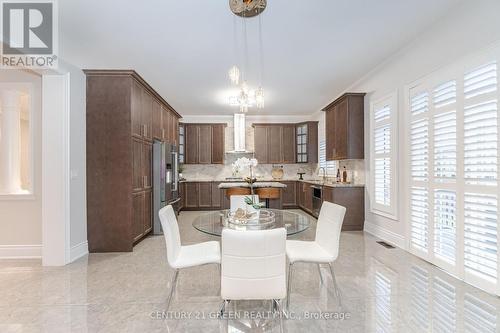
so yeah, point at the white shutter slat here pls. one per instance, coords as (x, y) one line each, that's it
(383, 113)
(419, 217)
(419, 103)
(445, 147)
(383, 181)
(419, 149)
(481, 80)
(480, 143)
(445, 94)
(383, 140)
(445, 224)
(480, 238)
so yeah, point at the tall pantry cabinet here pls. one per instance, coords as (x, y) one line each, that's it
(124, 116)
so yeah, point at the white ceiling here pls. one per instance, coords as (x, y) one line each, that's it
(313, 50)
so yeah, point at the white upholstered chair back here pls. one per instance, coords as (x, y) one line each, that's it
(238, 201)
(329, 226)
(253, 264)
(171, 233)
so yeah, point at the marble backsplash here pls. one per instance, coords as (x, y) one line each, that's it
(217, 172)
(263, 171)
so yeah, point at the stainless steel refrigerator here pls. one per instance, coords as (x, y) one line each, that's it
(165, 180)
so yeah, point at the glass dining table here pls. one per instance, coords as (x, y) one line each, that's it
(212, 223)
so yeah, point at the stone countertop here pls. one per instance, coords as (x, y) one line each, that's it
(308, 181)
(255, 185)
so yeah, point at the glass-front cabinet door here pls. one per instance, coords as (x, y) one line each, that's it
(181, 144)
(302, 143)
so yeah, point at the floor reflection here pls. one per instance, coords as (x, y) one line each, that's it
(383, 290)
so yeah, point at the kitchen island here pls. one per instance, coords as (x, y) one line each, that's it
(255, 185)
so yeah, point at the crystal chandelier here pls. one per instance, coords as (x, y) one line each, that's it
(246, 97)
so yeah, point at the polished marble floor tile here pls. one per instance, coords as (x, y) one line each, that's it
(382, 290)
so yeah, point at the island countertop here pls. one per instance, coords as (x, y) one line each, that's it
(255, 185)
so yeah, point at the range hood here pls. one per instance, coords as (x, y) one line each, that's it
(239, 133)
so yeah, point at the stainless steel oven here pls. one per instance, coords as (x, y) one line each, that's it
(316, 199)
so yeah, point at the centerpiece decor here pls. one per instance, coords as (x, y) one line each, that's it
(243, 164)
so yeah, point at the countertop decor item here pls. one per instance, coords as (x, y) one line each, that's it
(277, 172)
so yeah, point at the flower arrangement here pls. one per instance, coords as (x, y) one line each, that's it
(242, 164)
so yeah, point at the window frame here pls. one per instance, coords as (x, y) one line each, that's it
(390, 211)
(456, 70)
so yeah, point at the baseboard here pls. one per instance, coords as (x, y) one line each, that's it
(78, 251)
(386, 235)
(20, 251)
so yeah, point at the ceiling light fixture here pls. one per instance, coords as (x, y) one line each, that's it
(246, 97)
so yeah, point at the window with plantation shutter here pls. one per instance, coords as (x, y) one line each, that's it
(480, 235)
(383, 156)
(329, 166)
(420, 149)
(480, 143)
(445, 146)
(419, 218)
(481, 81)
(452, 124)
(445, 207)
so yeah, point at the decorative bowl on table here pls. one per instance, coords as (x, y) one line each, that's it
(241, 217)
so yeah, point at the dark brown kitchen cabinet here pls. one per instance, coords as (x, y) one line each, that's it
(216, 195)
(353, 198)
(138, 204)
(261, 145)
(191, 198)
(157, 121)
(344, 127)
(148, 211)
(204, 143)
(204, 195)
(289, 195)
(277, 143)
(121, 111)
(147, 114)
(288, 143)
(218, 143)
(305, 196)
(306, 142)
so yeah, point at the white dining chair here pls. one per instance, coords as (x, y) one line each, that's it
(324, 249)
(238, 201)
(253, 266)
(179, 256)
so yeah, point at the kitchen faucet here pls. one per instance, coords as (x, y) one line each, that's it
(324, 174)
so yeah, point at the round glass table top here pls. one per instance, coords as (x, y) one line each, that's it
(212, 223)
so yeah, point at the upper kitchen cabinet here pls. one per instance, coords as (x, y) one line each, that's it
(307, 142)
(345, 127)
(203, 143)
(278, 143)
(124, 115)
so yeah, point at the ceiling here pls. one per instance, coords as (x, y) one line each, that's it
(313, 50)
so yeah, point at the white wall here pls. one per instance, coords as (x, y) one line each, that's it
(78, 153)
(21, 219)
(470, 27)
